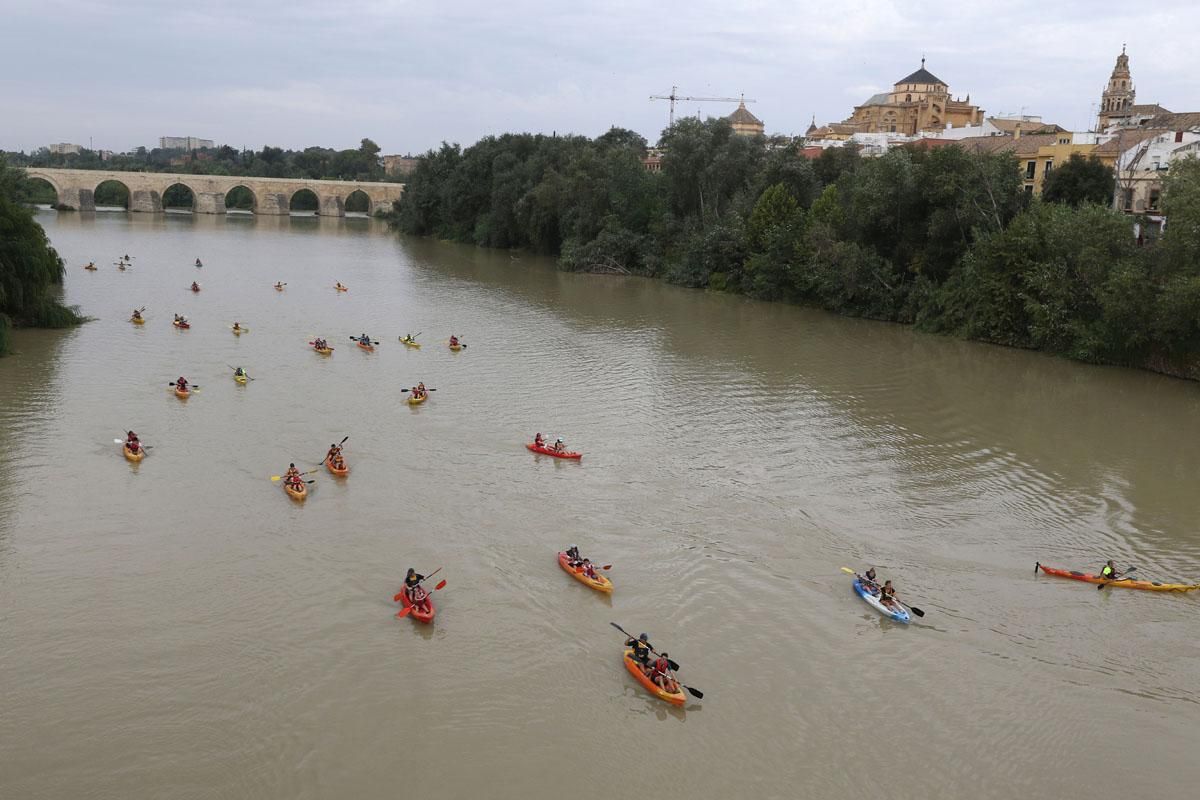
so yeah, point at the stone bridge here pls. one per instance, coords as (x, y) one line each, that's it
(76, 190)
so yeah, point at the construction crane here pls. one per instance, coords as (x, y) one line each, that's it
(675, 97)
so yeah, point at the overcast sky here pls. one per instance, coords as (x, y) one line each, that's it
(412, 73)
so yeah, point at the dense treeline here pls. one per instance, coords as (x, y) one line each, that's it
(941, 238)
(31, 272)
(317, 163)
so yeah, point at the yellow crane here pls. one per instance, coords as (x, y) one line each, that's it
(675, 97)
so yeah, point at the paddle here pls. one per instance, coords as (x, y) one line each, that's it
(244, 374)
(413, 339)
(409, 390)
(699, 695)
(191, 386)
(122, 441)
(404, 612)
(356, 339)
(913, 609)
(339, 444)
(280, 477)
(1114, 580)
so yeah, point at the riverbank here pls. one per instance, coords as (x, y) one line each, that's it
(31, 272)
(945, 240)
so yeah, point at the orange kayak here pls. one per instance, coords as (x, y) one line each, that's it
(550, 451)
(183, 394)
(1120, 583)
(367, 347)
(299, 493)
(676, 698)
(418, 615)
(601, 584)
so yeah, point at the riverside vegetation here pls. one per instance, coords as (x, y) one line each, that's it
(31, 272)
(943, 239)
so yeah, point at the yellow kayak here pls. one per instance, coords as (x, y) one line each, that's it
(138, 320)
(241, 379)
(416, 401)
(411, 343)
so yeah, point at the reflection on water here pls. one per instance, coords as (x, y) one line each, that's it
(181, 623)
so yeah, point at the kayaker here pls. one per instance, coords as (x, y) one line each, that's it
(573, 557)
(136, 314)
(421, 388)
(292, 472)
(869, 583)
(334, 454)
(415, 591)
(453, 341)
(127, 257)
(887, 594)
(198, 264)
(660, 673)
(278, 285)
(539, 440)
(132, 442)
(559, 446)
(408, 338)
(339, 285)
(237, 326)
(641, 650)
(195, 286)
(589, 569)
(182, 384)
(1109, 571)
(239, 372)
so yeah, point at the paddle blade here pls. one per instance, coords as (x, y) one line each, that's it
(696, 693)
(276, 478)
(404, 612)
(397, 596)
(622, 630)
(916, 611)
(1036, 566)
(673, 664)
(607, 566)
(847, 570)
(441, 585)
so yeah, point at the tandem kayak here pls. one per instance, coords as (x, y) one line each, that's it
(601, 584)
(181, 325)
(416, 401)
(416, 614)
(899, 613)
(368, 347)
(411, 343)
(549, 451)
(1123, 583)
(676, 698)
(345, 470)
(324, 350)
(183, 394)
(299, 493)
(132, 456)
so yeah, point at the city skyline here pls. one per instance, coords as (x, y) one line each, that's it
(410, 77)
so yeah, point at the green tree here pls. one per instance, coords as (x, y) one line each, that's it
(1080, 180)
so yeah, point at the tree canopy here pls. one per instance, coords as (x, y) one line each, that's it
(1080, 180)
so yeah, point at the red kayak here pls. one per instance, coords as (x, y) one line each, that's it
(416, 614)
(549, 451)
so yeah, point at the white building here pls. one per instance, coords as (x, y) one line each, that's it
(1141, 169)
(63, 148)
(184, 143)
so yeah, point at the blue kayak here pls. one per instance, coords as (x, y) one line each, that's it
(897, 612)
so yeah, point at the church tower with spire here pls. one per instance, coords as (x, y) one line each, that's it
(1116, 103)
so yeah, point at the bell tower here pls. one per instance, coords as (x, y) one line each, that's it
(1116, 103)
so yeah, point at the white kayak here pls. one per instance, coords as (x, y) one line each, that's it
(897, 612)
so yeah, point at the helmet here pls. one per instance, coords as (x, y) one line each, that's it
(645, 637)
(292, 465)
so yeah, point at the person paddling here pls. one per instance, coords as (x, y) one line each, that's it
(868, 581)
(660, 673)
(415, 592)
(181, 384)
(641, 651)
(421, 390)
(137, 314)
(240, 373)
(132, 442)
(195, 286)
(278, 285)
(453, 340)
(237, 327)
(589, 569)
(573, 557)
(887, 595)
(334, 455)
(198, 264)
(1110, 571)
(408, 339)
(559, 446)
(339, 285)
(539, 440)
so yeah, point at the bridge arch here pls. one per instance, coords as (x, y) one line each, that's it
(112, 193)
(358, 202)
(179, 197)
(42, 191)
(304, 200)
(241, 198)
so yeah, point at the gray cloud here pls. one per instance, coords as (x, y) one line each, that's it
(411, 74)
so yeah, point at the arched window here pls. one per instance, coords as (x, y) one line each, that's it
(908, 98)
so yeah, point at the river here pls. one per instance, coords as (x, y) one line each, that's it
(180, 629)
